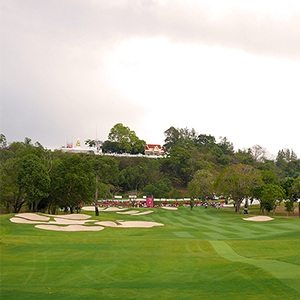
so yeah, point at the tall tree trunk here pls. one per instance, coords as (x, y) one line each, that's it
(237, 206)
(96, 196)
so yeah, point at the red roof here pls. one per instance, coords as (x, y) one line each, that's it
(154, 148)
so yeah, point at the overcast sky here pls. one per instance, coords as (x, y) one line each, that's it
(75, 68)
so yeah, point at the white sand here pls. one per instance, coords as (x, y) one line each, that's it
(91, 208)
(130, 224)
(33, 217)
(24, 221)
(144, 213)
(70, 228)
(62, 221)
(108, 224)
(130, 212)
(144, 224)
(170, 208)
(71, 216)
(259, 218)
(114, 209)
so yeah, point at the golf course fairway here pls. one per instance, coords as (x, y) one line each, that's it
(198, 254)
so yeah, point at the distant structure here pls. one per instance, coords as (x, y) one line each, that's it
(151, 150)
(154, 149)
(77, 149)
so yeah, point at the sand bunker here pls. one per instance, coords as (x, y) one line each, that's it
(259, 218)
(130, 224)
(76, 222)
(130, 212)
(114, 209)
(170, 208)
(62, 221)
(71, 216)
(70, 228)
(91, 208)
(144, 213)
(33, 217)
(24, 221)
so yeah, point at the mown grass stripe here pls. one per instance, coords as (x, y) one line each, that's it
(278, 269)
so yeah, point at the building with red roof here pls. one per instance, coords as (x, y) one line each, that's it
(154, 149)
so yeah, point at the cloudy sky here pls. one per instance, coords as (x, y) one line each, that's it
(74, 68)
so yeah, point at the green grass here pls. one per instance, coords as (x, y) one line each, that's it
(199, 254)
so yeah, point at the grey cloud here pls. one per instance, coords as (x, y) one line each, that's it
(53, 81)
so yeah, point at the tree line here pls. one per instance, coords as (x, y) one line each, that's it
(197, 166)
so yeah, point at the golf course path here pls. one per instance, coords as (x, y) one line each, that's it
(283, 271)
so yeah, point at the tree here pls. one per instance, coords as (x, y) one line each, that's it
(94, 143)
(127, 139)
(256, 192)
(226, 146)
(176, 194)
(204, 140)
(237, 181)
(179, 137)
(289, 205)
(178, 166)
(110, 147)
(172, 136)
(132, 178)
(159, 190)
(258, 153)
(294, 192)
(34, 179)
(271, 196)
(284, 158)
(12, 195)
(73, 181)
(201, 185)
(3, 141)
(107, 169)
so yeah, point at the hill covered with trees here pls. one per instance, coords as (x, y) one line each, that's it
(196, 166)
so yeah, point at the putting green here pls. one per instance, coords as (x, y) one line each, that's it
(198, 254)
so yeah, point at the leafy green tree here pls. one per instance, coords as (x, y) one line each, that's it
(204, 140)
(12, 195)
(272, 195)
(256, 192)
(132, 178)
(294, 192)
(34, 179)
(202, 185)
(269, 177)
(237, 182)
(224, 160)
(110, 147)
(127, 140)
(172, 136)
(107, 169)
(226, 146)
(178, 166)
(243, 157)
(73, 181)
(176, 194)
(284, 160)
(3, 141)
(159, 190)
(289, 206)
